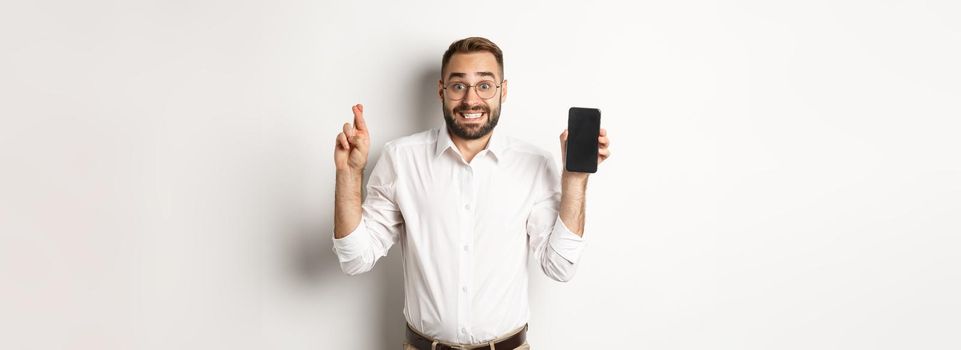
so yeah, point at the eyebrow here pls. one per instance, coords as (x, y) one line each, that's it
(463, 75)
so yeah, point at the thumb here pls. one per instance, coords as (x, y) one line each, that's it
(563, 139)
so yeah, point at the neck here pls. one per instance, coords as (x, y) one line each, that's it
(469, 148)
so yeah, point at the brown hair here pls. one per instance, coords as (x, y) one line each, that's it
(473, 44)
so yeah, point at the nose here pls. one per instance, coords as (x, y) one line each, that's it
(472, 96)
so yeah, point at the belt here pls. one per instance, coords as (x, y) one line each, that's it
(423, 343)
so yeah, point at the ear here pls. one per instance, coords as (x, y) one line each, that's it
(504, 91)
(440, 90)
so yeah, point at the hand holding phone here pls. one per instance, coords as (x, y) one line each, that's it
(583, 127)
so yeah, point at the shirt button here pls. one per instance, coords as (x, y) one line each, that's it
(467, 206)
(464, 289)
(466, 248)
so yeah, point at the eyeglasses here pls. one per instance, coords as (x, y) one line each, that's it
(485, 90)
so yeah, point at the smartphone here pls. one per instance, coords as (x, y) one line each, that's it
(583, 128)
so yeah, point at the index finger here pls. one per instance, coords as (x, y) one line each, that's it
(359, 121)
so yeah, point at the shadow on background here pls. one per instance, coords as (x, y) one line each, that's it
(310, 248)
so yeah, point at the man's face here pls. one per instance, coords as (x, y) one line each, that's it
(461, 115)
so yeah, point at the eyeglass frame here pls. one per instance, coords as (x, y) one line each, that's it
(472, 86)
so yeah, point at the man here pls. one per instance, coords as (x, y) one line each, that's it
(468, 206)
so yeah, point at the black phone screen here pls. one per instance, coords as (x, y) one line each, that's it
(583, 128)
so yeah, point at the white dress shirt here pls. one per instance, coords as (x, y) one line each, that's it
(466, 231)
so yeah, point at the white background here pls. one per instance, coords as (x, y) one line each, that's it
(784, 176)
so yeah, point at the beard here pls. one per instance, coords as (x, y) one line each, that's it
(470, 132)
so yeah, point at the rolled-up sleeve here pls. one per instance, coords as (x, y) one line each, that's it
(554, 247)
(380, 226)
(565, 243)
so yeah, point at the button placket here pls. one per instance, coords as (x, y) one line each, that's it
(466, 262)
(467, 191)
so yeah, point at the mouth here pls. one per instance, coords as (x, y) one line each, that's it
(472, 116)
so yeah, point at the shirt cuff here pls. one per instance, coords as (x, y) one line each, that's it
(353, 245)
(567, 244)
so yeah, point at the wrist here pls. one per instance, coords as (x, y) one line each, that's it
(572, 177)
(350, 172)
(574, 184)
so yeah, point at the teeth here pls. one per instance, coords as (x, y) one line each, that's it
(472, 115)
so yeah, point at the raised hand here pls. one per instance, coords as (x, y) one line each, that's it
(602, 143)
(353, 143)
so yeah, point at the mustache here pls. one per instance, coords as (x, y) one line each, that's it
(463, 109)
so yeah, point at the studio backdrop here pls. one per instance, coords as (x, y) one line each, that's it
(785, 175)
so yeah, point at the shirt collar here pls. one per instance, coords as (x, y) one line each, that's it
(496, 145)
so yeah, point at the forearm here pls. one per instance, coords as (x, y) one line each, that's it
(573, 201)
(347, 202)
